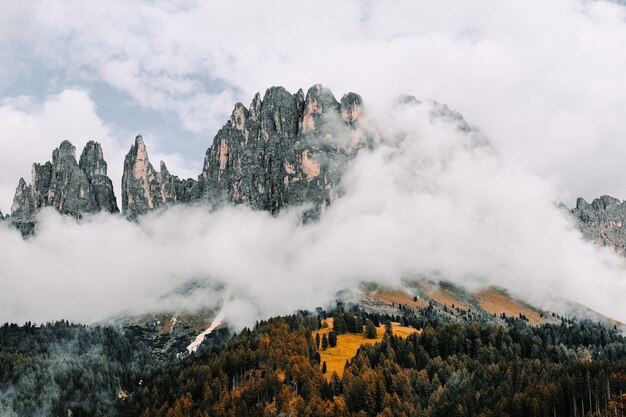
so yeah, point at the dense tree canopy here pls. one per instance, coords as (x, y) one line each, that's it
(448, 369)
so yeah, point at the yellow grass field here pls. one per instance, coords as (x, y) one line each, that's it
(496, 303)
(349, 343)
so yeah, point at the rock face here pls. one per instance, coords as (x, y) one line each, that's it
(144, 189)
(94, 166)
(70, 187)
(284, 149)
(602, 221)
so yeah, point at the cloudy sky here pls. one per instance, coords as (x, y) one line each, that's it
(543, 80)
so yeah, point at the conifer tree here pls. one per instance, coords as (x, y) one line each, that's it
(370, 329)
(332, 339)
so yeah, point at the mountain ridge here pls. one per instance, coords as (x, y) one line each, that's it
(283, 150)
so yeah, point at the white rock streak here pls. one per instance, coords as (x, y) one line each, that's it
(200, 338)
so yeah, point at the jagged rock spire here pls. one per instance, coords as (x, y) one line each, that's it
(144, 189)
(65, 185)
(139, 181)
(23, 205)
(94, 166)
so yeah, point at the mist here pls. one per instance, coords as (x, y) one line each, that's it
(433, 200)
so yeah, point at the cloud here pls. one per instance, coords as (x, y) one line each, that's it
(430, 201)
(544, 81)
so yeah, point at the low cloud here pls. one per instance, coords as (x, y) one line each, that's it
(431, 201)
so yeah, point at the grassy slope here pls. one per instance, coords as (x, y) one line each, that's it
(349, 343)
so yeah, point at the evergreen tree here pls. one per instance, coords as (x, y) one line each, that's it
(370, 330)
(317, 340)
(324, 367)
(332, 339)
(324, 342)
(359, 324)
(388, 328)
(339, 324)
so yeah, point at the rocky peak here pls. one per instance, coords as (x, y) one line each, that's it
(140, 187)
(319, 101)
(603, 203)
(23, 205)
(92, 160)
(286, 149)
(144, 189)
(69, 190)
(352, 109)
(69, 187)
(602, 221)
(94, 166)
(65, 150)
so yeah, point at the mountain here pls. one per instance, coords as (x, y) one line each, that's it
(283, 150)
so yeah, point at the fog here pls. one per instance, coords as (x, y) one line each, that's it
(431, 201)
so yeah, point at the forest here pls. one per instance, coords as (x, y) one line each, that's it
(575, 368)
(61, 369)
(447, 369)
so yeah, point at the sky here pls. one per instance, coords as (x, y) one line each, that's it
(543, 81)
